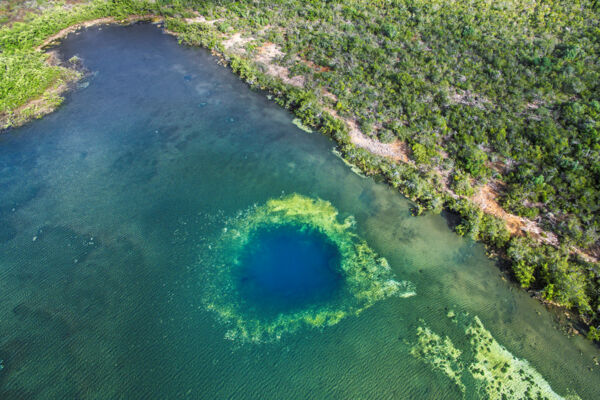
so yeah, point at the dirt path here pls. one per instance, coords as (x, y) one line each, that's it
(396, 151)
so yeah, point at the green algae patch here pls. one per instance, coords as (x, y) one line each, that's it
(502, 374)
(365, 277)
(440, 354)
(300, 125)
(491, 372)
(352, 167)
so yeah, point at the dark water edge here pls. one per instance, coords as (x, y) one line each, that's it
(106, 204)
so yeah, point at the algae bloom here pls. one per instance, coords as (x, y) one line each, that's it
(496, 373)
(290, 263)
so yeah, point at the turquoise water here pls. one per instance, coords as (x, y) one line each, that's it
(113, 212)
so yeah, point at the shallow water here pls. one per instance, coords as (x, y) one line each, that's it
(107, 205)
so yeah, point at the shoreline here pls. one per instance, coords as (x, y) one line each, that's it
(485, 198)
(99, 21)
(234, 56)
(52, 98)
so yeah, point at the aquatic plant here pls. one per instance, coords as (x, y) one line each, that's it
(497, 372)
(367, 278)
(502, 374)
(352, 167)
(440, 354)
(299, 124)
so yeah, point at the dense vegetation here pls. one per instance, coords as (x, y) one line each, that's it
(492, 90)
(480, 91)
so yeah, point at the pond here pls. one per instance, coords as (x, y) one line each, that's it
(169, 233)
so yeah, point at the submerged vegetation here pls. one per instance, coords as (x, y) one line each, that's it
(485, 367)
(479, 94)
(440, 354)
(366, 278)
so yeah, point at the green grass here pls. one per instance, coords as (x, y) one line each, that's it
(23, 76)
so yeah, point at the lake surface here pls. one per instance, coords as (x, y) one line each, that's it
(114, 209)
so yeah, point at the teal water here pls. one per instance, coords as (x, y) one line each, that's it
(110, 209)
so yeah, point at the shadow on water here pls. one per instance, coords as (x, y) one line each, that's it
(452, 219)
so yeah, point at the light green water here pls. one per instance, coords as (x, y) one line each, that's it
(112, 215)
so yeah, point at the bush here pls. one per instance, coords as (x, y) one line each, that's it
(461, 184)
(386, 136)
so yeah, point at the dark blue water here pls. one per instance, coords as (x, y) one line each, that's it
(107, 205)
(286, 268)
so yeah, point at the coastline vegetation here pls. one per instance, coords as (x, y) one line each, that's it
(479, 92)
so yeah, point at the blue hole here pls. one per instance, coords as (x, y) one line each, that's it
(285, 268)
